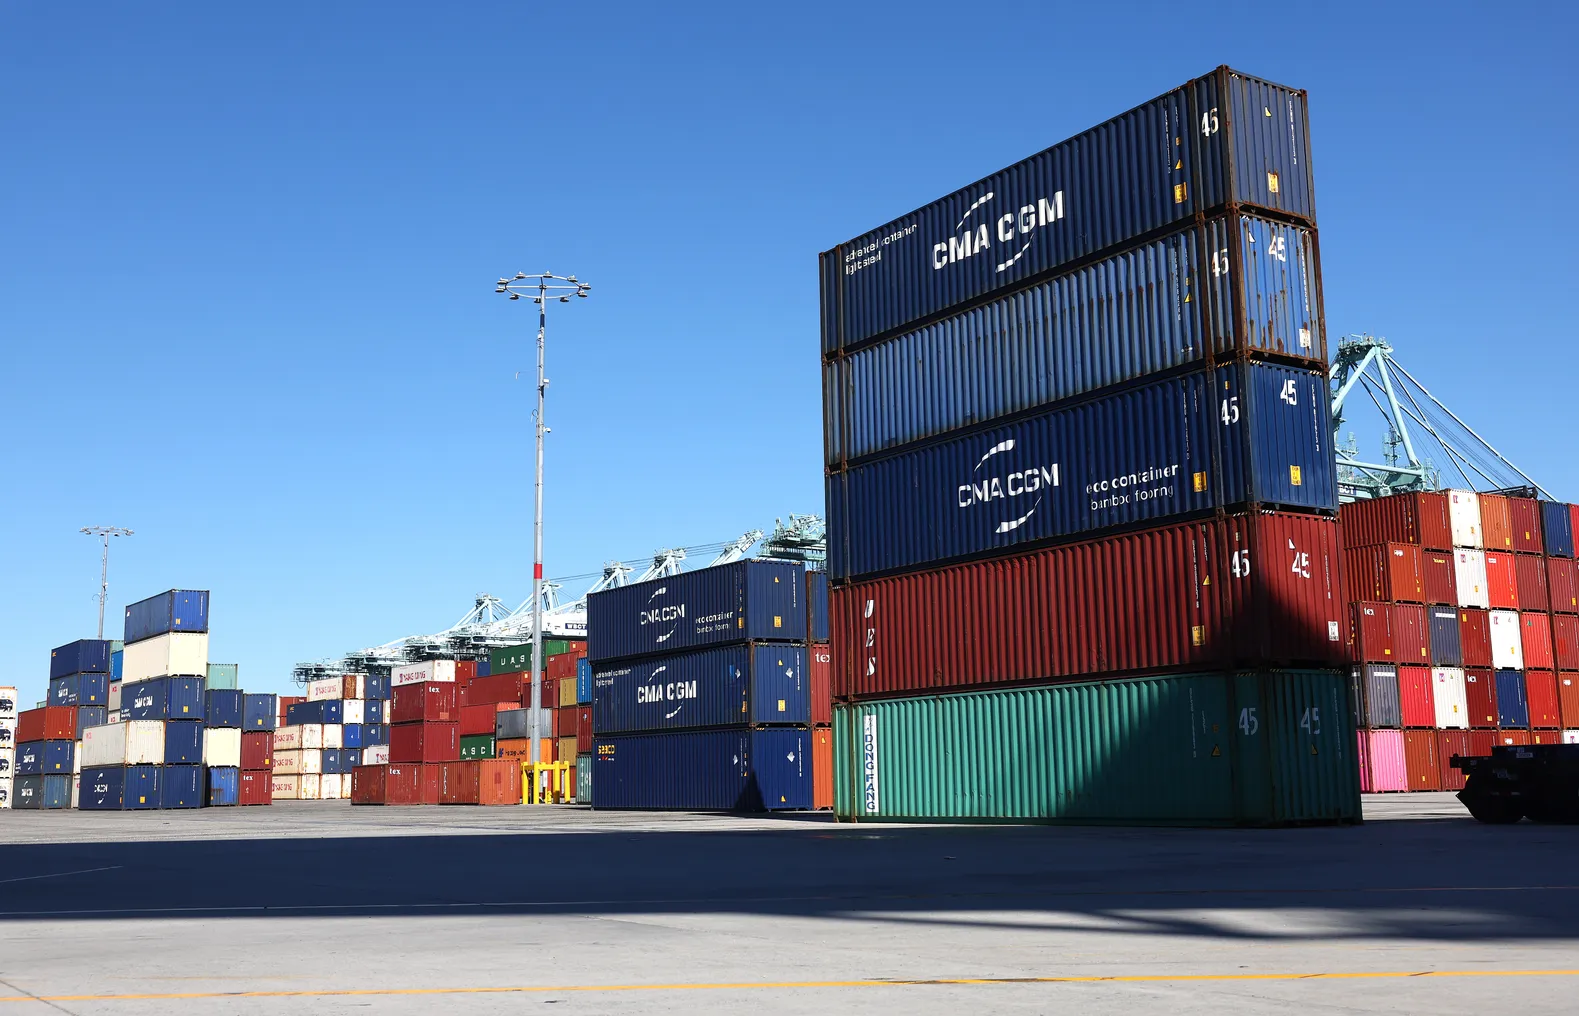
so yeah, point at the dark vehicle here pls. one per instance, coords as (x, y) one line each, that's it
(1535, 781)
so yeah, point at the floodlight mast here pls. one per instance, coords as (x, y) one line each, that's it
(104, 564)
(540, 289)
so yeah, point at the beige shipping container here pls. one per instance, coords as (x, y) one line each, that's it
(329, 787)
(375, 755)
(312, 786)
(323, 691)
(299, 761)
(222, 746)
(179, 654)
(422, 673)
(302, 735)
(133, 743)
(333, 735)
(285, 788)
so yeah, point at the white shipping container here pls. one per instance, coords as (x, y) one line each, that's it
(76, 760)
(1463, 518)
(333, 736)
(312, 786)
(1448, 692)
(8, 703)
(1571, 737)
(222, 746)
(376, 755)
(352, 710)
(285, 788)
(422, 673)
(178, 653)
(76, 790)
(133, 743)
(113, 702)
(5, 792)
(1507, 645)
(115, 716)
(1469, 571)
(323, 691)
(329, 787)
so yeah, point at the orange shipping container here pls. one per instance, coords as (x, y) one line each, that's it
(1420, 760)
(1496, 528)
(1540, 689)
(1502, 581)
(1448, 744)
(1568, 698)
(517, 750)
(822, 768)
(1392, 572)
(498, 782)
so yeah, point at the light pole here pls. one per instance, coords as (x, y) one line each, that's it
(540, 289)
(104, 565)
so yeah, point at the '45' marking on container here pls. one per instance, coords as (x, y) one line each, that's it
(1290, 392)
(1247, 720)
(1311, 721)
(1240, 564)
(1301, 561)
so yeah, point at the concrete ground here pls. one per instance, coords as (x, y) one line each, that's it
(318, 907)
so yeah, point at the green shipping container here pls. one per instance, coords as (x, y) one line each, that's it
(223, 675)
(477, 746)
(1272, 748)
(517, 658)
(584, 779)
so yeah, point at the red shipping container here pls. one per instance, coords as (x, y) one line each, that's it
(1411, 635)
(1535, 637)
(257, 749)
(424, 742)
(413, 703)
(399, 784)
(285, 702)
(480, 719)
(465, 670)
(1420, 519)
(1436, 573)
(47, 723)
(370, 785)
(1448, 744)
(550, 699)
(820, 687)
(564, 664)
(1243, 590)
(1482, 741)
(822, 768)
(499, 781)
(1568, 698)
(1502, 581)
(1540, 689)
(1420, 760)
(1474, 636)
(254, 787)
(1480, 694)
(1496, 530)
(1531, 573)
(1562, 582)
(1546, 737)
(567, 721)
(1416, 703)
(1390, 572)
(1524, 517)
(584, 730)
(1565, 641)
(511, 688)
(458, 783)
(1507, 737)
(1373, 633)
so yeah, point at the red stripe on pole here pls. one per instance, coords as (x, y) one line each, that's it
(537, 571)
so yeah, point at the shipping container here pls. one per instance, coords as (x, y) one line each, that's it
(819, 661)
(370, 784)
(1226, 592)
(183, 742)
(477, 746)
(1513, 710)
(1436, 569)
(584, 730)
(80, 690)
(178, 610)
(178, 654)
(55, 790)
(84, 656)
(47, 723)
(1448, 698)
(223, 677)
(567, 692)
(1416, 706)
(1540, 690)
(704, 770)
(1496, 526)
(41, 757)
(1565, 641)
(164, 698)
(1411, 635)
(424, 742)
(1507, 640)
(514, 688)
(1502, 581)
(1474, 634)
(1388, 572)
(584, 772)
(91, 716)
(222, 747)
(1535, 641)
(181, 787)
(1512, 737)
(130, 743)
(1562, 582)
(1446, 648)
(1480, 697)
(822, 768)
(257, 750)
(1469, 571)
(583, 681)
(324, 689)
(1146, 310)
(351, 735)
(1524, 517)
(1422, 768)
(260, 712)
(1224, 139)
(299, 761)
(376, 754)
(1266, 748)
(1568, 698)
(224, 787)
(303, 736)
(517, 748)
(223, 707)
(113, 700)
(376, 686)
(102, 788)
(816, 605)
(27, 793)
(1530, 573)
(1241, 434)
(1376, 698)
(1463, 515)
(324, 711)
(285, 787)
(1448, 744)
(434, 701)
(427, 672)
(115, 664)
(1417, 518)
(746, 600)
(1557, 533)
(1382, 761)
(352, 710)
(755, 683)
(519, 658)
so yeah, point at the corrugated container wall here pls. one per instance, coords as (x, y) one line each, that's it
(85, 656)
(176, 610)
(705, 770)
(746, 600)
(1222, 139)
(816, 606)
(1242, 434)
(756, 683)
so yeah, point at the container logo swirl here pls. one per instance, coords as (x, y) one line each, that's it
(1013, 230)
(1009, 487)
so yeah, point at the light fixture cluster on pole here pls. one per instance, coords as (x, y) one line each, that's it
(104, 565)
(541, 290)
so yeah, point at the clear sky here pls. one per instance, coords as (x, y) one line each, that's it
(246, 274)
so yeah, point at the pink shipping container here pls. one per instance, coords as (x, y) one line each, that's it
(1382, 761)
(1244, 590)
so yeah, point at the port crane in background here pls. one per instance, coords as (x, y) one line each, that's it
(489, 624)
(1426, 445)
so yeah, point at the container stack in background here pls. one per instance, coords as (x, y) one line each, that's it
(8, 714)
(341, 723)
(47, 756)
(700, 690)
(819, 661)
(1465, 612)
(1080, 485)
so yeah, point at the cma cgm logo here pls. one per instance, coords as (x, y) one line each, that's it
(985, 488)
(662, 614)
(978, 229)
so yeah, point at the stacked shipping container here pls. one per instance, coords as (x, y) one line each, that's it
(1077, 431)
(339, 724)
(1465, 630)
(8, 714)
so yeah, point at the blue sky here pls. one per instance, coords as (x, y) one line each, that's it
(246, 299)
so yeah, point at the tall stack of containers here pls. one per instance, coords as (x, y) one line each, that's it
(819, 662)
(700, 691)
(330, 731)
(1465, 611)
(164, 666)
(48, 755)
(1080, 485)
(8, 714)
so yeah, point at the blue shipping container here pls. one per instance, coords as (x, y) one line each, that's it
(1222, 138)
(333, 761)
(181, 787)
(739, 602)
(484, 668)
(1446, 642)
(183, 742)
(30, 758)
(79, 690)
(374, 734)
(584, 681)
(376, 687)
(84, 656)
(163, 698)
(176, 610)
(322, 711)
(1243, 433)
(59, 756)
(1513, 706)
(224, 787)
(101, 788)
(705, 770)
(351, 735)
(756, 683)
(57, 791)
(223, 707)
(260, 712)
(1143, 312)
(91, 716)
(817, 606)
(1558, 529)
(115, 664)
(142, 787)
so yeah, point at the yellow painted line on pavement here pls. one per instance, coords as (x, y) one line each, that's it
(780, 985)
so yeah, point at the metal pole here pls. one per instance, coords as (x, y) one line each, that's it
(537, 535)
(104, 583)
